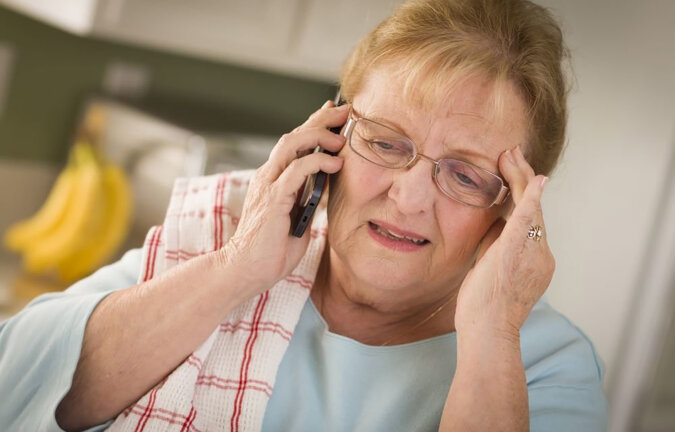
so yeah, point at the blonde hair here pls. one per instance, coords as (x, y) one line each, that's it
(437, 43)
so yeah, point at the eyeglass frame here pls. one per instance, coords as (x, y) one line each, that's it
(354, 118)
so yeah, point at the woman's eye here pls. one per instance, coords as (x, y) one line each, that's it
(465, 180)
(382, 145)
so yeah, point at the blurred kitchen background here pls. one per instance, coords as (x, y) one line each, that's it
(189, 88)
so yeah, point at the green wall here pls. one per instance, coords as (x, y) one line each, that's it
(54, 72)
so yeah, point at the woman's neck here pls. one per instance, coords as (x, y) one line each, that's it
(375, 321)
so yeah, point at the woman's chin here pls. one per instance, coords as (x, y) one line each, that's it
(387, 275)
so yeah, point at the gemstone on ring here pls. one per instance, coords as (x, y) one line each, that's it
(536, 232)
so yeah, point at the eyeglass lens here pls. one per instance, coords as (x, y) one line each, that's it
(459, 180)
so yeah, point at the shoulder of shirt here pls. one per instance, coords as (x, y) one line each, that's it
(556, 352)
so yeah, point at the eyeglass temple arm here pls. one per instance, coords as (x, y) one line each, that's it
(503, 194)
(348, 126)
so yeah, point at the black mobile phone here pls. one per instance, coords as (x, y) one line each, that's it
(301, 215)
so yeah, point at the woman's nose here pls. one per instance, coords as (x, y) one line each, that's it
(413, 188)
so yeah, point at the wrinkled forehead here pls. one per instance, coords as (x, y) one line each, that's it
(431, 89)
(465, 93)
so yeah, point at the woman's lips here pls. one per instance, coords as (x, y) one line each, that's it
(393, 238)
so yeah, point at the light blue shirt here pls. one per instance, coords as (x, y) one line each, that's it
(325, 382)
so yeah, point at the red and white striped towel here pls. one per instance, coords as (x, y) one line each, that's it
(226, 383)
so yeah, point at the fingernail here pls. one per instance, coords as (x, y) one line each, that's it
(509, 155)
(544, 181)
(326, 104)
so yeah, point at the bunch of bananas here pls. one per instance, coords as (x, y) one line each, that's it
(83, 222)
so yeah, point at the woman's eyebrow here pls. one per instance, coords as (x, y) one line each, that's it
(473, 157)
(469, 153)
(384, 121)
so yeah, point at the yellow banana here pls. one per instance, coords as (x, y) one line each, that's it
(50, 215)
(113, 229)
(81, 221)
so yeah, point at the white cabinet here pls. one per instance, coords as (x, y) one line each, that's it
(309, 38)
(252, 32)
(75, 16)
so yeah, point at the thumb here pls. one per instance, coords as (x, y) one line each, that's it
(490, 237)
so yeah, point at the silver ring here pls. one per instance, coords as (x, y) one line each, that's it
(536, 232)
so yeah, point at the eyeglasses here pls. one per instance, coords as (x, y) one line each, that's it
(458, 180)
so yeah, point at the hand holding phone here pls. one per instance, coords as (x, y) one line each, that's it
(263, 248)
(308, 199)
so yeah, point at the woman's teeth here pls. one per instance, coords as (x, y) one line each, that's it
(393, 236)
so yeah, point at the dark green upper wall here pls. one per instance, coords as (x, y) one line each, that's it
(54, 71)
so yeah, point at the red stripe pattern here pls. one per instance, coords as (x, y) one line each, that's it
(166, 416)
(239, 386)
(188, 421)
(217, 214)
(143, 420)
(246, 362)
(265, 326)
(152, 247)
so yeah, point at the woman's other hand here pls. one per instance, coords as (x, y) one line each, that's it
(512, 270)
(262, 245)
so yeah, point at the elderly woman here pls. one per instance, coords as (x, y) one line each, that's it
(426, 266)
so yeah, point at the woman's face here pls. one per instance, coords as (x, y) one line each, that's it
(369, 204)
